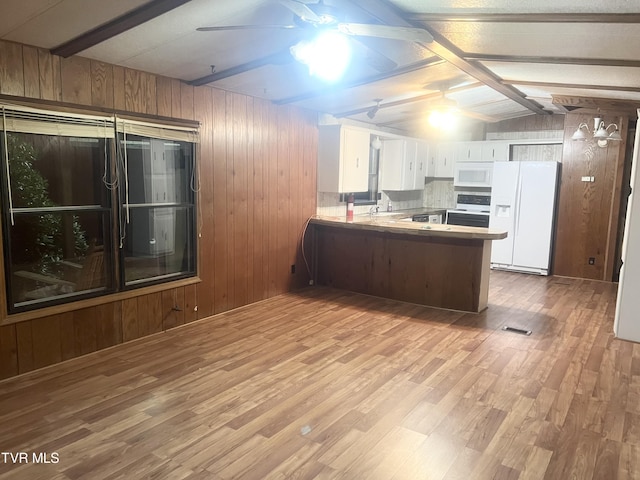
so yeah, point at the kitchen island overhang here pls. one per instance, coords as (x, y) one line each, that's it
(444, 266)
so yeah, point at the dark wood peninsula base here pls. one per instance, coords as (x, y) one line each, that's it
(441, 266)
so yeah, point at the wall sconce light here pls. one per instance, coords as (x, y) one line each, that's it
(376, 143)
(600, 132)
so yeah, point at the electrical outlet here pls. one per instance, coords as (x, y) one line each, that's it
(592, 260)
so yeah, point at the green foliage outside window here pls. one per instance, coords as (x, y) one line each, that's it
(41, 235)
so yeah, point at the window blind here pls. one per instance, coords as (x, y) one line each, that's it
(21, 119)
(160, 131)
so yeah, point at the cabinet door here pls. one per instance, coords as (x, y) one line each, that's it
(399, 167)
(425, 166)
(355, 160)
(392, 168)
(468, 152)
(444, 160)
(495, 151)
(409, 165)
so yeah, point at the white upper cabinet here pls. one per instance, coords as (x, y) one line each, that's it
(442, 160)
(399, 165)
(487, 151)
(495, 151)
(469, 152)
(343, 159)
(422, 164)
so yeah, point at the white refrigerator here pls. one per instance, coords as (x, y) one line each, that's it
(523, 199)
(627, 319)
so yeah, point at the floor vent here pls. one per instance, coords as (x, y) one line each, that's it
(516, 330)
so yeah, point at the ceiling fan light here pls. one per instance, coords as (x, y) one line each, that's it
(327, 56)
(444, 120)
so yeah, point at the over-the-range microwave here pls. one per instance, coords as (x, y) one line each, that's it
(473, 174)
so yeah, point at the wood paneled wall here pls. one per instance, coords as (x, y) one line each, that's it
(257, 189)
(531, 123)
(588, 212)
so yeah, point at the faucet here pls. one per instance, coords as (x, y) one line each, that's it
(374, 209)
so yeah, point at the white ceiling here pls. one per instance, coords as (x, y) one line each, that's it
(487, 44)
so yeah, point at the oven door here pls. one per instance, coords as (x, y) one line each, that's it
(468, 219)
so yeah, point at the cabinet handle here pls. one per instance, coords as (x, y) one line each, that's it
(420, 166)
(410, 166)
(357, 162)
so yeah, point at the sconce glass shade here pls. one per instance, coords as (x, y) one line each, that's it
(376, 143)
(601, 132)
(615, 135)
(579, 134)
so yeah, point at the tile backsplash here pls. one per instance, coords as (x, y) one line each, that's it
(439, 193)
(330, 204)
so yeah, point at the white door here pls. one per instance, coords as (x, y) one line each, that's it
(503, 209)
(627, 319)
(536, 208)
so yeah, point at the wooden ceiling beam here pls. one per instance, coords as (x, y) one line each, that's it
(581, 86)
(391, 15)
(277, 58)
(598, 62)
(118, 25)
(405, 101)
(527, 17)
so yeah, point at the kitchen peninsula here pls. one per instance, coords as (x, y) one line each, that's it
(445, 266)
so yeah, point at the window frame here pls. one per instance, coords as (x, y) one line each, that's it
(115, 289)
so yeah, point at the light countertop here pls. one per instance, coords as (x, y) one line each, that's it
(394, 222)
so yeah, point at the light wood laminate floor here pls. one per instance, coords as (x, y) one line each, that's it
(325, 384)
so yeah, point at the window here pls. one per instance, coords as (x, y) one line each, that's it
(90, 209)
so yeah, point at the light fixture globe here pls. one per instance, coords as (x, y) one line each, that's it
(615, 135)
(601, 133)
(579, 133)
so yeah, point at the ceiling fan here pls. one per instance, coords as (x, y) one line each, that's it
(320, 17)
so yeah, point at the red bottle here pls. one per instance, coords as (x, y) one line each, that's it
(350, 201)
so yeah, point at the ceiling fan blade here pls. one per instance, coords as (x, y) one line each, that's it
(244, 27)
(409, 34)
(375, 59)
(301, 10)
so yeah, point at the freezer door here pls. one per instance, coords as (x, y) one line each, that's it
(503, 209)
(534, 222)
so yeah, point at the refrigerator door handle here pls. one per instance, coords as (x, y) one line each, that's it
(517, 209)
